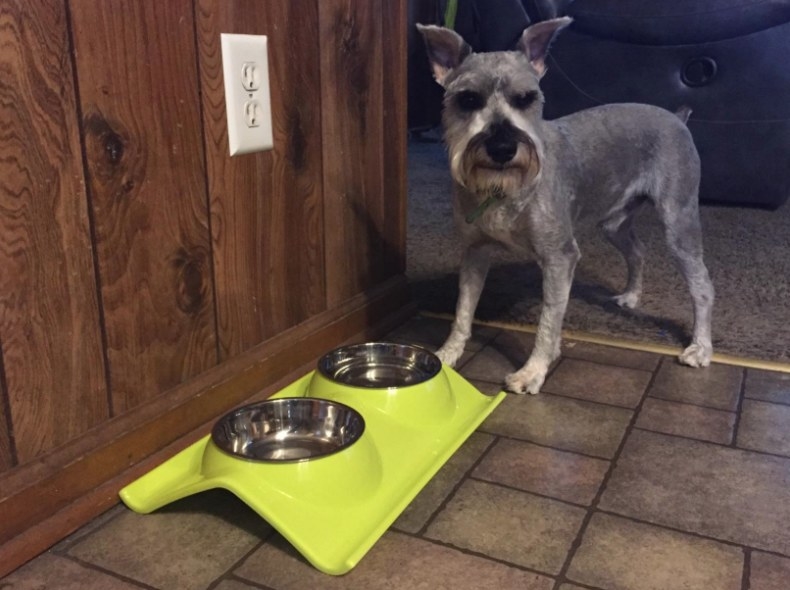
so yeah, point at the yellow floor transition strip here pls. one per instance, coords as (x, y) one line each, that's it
(724, 359)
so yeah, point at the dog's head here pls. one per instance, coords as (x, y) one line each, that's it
(492, 106)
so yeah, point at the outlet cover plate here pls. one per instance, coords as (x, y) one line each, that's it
(239, 54)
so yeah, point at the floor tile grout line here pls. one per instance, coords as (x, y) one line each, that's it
(545, 446)
(108, 572)
(683, 436)
(68, 546)
(451, 494)
(473, 553)
(691, 405)
(577, 541)
(606, 404)
(739, 411)
(690, 533)
(248, 582)
(688, 403)
(642, 428)
(722, 445)
(230, 571)
(585, 399)
(746, 580)
(512, 488)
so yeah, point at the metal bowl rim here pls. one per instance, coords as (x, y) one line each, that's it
(421, 349)
(233, 413)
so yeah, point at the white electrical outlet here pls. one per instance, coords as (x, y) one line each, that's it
(245, 66)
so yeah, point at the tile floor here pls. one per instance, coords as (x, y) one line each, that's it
(626, 472)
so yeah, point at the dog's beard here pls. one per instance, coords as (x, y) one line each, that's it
(474, 170)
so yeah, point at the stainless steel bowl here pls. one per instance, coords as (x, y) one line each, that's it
(380, 365)
(288, 429)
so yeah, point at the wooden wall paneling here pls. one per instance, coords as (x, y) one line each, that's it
(124, 448)
(395, 52)
(138, 84)
(352, 121)
(7, 459)
(50, 339)
(266, 208)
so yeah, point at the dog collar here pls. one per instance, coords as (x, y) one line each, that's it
(481, 208)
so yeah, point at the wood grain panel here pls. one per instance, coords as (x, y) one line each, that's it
(49, 318)
(352, 122)
(138, 81)
(7, 459)
(266, 208)
(395, 51)
(36, 492)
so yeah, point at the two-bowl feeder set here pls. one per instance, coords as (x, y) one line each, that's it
(331, 460)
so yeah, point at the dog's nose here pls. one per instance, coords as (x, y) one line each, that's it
(501, 150)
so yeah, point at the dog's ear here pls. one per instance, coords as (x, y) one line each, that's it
(446, 49)
(536, 39)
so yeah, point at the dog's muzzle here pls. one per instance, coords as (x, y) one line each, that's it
(500, 159)
(502, 144)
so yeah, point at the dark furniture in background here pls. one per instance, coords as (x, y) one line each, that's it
(726, 59)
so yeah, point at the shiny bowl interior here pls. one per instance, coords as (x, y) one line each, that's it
(288, 429)
(380, 365)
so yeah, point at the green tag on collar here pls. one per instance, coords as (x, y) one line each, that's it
(481, 208)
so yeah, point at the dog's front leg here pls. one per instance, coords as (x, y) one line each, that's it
(471, 277)
(557, 278)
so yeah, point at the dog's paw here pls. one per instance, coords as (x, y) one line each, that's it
(527, 380)
(449, 355)
(628, 300)
(696, 355)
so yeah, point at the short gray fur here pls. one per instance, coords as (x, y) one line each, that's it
(539, 178)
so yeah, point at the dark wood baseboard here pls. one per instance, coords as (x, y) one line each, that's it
(43, 502)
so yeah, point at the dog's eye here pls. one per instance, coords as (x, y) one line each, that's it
(469, 101)
(522, 101)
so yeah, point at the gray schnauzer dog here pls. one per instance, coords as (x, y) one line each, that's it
(523, 182)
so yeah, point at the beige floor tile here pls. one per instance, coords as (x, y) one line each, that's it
(559, 474)
(185, 545)
(597, 353)
(492, 364)
(88, 528)
(686, 420)
(769, 386)
(396, 562)
(572, 425)
(56, 572)
(769, 572)
(599, 383)
(506, 524)
(521, 342)
(764, 427)
(486, 386)
(619, 554)
(609, 355)
(695, 486)
(432, 495)
(716, 386)
(235, 585)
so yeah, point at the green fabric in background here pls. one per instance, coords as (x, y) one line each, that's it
(450, 12)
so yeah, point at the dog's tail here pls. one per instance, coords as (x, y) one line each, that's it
(683, 113)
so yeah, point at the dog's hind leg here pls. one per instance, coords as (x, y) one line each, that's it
(471, 278)
(684, 238)
(618, 227)
(558, 269)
